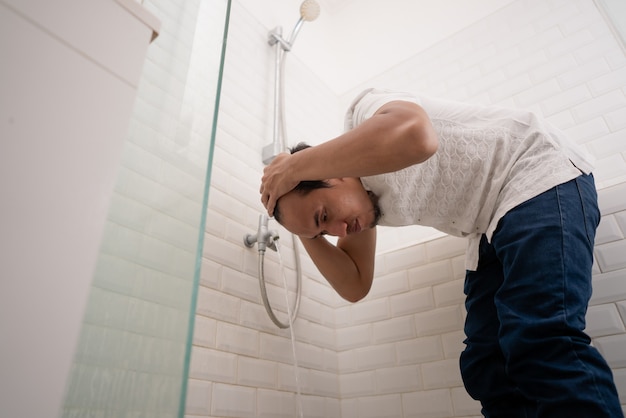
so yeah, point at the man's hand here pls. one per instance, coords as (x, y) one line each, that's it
(277, 181)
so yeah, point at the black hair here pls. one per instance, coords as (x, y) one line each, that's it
(305, 186)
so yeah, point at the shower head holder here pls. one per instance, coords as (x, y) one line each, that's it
(276, 36)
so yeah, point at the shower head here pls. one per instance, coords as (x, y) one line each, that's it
(309, 10)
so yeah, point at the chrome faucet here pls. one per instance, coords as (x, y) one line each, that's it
(264, 237)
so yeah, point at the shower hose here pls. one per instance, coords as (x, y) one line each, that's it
(293, 312)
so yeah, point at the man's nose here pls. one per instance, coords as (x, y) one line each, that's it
(337, 228)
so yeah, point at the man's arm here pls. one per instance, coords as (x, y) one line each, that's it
(349, 266)
(398, 135)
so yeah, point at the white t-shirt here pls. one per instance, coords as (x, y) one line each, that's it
(489, 160)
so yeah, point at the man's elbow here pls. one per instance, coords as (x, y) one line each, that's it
(353, 298)
(356, 294)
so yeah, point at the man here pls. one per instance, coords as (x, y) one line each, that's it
(522, 195)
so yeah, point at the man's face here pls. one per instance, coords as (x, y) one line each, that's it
(343, 209)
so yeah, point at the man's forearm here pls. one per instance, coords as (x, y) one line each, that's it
(398, 135)
(349, 270)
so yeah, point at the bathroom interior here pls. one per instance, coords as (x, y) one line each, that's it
(132, 142)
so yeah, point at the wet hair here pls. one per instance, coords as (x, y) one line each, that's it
(304, 187)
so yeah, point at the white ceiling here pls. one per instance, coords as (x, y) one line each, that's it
(354, 40)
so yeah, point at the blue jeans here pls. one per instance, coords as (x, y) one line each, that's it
(526, 353)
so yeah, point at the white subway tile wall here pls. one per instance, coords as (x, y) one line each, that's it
(394, 354)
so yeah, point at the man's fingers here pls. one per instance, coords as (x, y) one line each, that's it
(268, 203)
(270, 208)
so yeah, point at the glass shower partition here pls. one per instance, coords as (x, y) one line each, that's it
(133, 354)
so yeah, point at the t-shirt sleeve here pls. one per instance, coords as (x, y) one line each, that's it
(369, 101)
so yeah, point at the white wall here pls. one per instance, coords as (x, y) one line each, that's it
(395, 353)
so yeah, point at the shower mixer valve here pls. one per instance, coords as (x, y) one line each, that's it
(264, 237)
